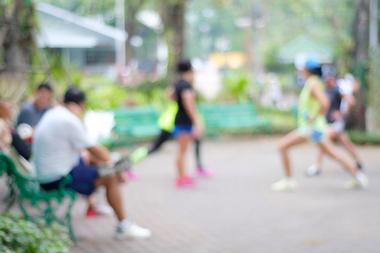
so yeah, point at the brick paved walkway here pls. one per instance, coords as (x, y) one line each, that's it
(236, 212)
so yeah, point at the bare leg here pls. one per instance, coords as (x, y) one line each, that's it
(113, 194)
(90, 201)
(329, 149)
(320, 156)
(183, 143)
(347, 143)
(331, 134)
(290, 140)
(197, 146)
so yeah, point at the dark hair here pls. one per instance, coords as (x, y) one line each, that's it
(328, 71)
(45, 86)
(74, 95)
(316, 71)
(184, 66)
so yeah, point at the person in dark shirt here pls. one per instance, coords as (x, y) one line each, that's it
(31, 112)
(166, 125)
(188, 124)
(336, 118)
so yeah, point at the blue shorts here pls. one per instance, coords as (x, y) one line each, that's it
(83, 179)
(182, 129)
(314, 135)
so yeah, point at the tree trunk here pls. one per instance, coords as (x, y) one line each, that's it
(361, 59)
(373, 120)
(173, 16)
(131, 24)
(18, 43)
(361, 31)
(16, 46)
(130, 28)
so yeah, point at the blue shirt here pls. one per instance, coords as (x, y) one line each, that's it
(30, 114)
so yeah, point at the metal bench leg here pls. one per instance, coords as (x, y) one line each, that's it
(23, 209)
(49, 214)
(69, 223)
(10, 199)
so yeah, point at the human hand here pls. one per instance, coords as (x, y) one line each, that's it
(198, 130)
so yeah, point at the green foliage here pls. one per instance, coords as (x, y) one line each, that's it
(282, 120)
(18, 235)
(360, 137)
(236, 84)
(103, 94)
(149, 92)
(84, 7)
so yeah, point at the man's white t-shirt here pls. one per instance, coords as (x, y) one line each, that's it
(58, 141)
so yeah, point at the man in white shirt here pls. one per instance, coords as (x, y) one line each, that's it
(59, 139)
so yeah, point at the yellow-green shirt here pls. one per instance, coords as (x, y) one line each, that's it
(167, 118)
(310, 107)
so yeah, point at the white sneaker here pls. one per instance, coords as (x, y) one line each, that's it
(359, 182)
(285, 184)
(362, 179)
(103, 209)
(132, 231)
(313, 171)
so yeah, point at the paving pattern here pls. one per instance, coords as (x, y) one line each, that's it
(236, 211)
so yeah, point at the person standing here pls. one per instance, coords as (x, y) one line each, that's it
(188, 124)
(166, 123)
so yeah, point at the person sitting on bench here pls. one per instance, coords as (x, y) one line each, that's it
(59, 139)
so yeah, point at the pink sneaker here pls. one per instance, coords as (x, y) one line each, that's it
(131, 175)
(184, 181)
(202, 172)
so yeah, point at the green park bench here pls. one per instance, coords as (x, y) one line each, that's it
(232, 118)
(133, 125)
(35, 203)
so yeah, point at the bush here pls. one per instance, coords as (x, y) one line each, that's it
(236, 86)
(18, 235)
(369, 138)
(282, 120)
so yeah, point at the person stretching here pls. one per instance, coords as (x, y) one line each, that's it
(312, 125)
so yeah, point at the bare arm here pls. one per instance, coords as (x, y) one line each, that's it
(350, 101)
(100, 153)
(189, 104)
(170, 93)
(5, 135)
(320, 95)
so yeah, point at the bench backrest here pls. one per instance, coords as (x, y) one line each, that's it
(136, 123)
(218, 114)
(26, 184)
(129, 118)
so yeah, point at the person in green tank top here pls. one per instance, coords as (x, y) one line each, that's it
(312, 107)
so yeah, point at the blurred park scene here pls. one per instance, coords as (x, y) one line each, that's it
(247, 57)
